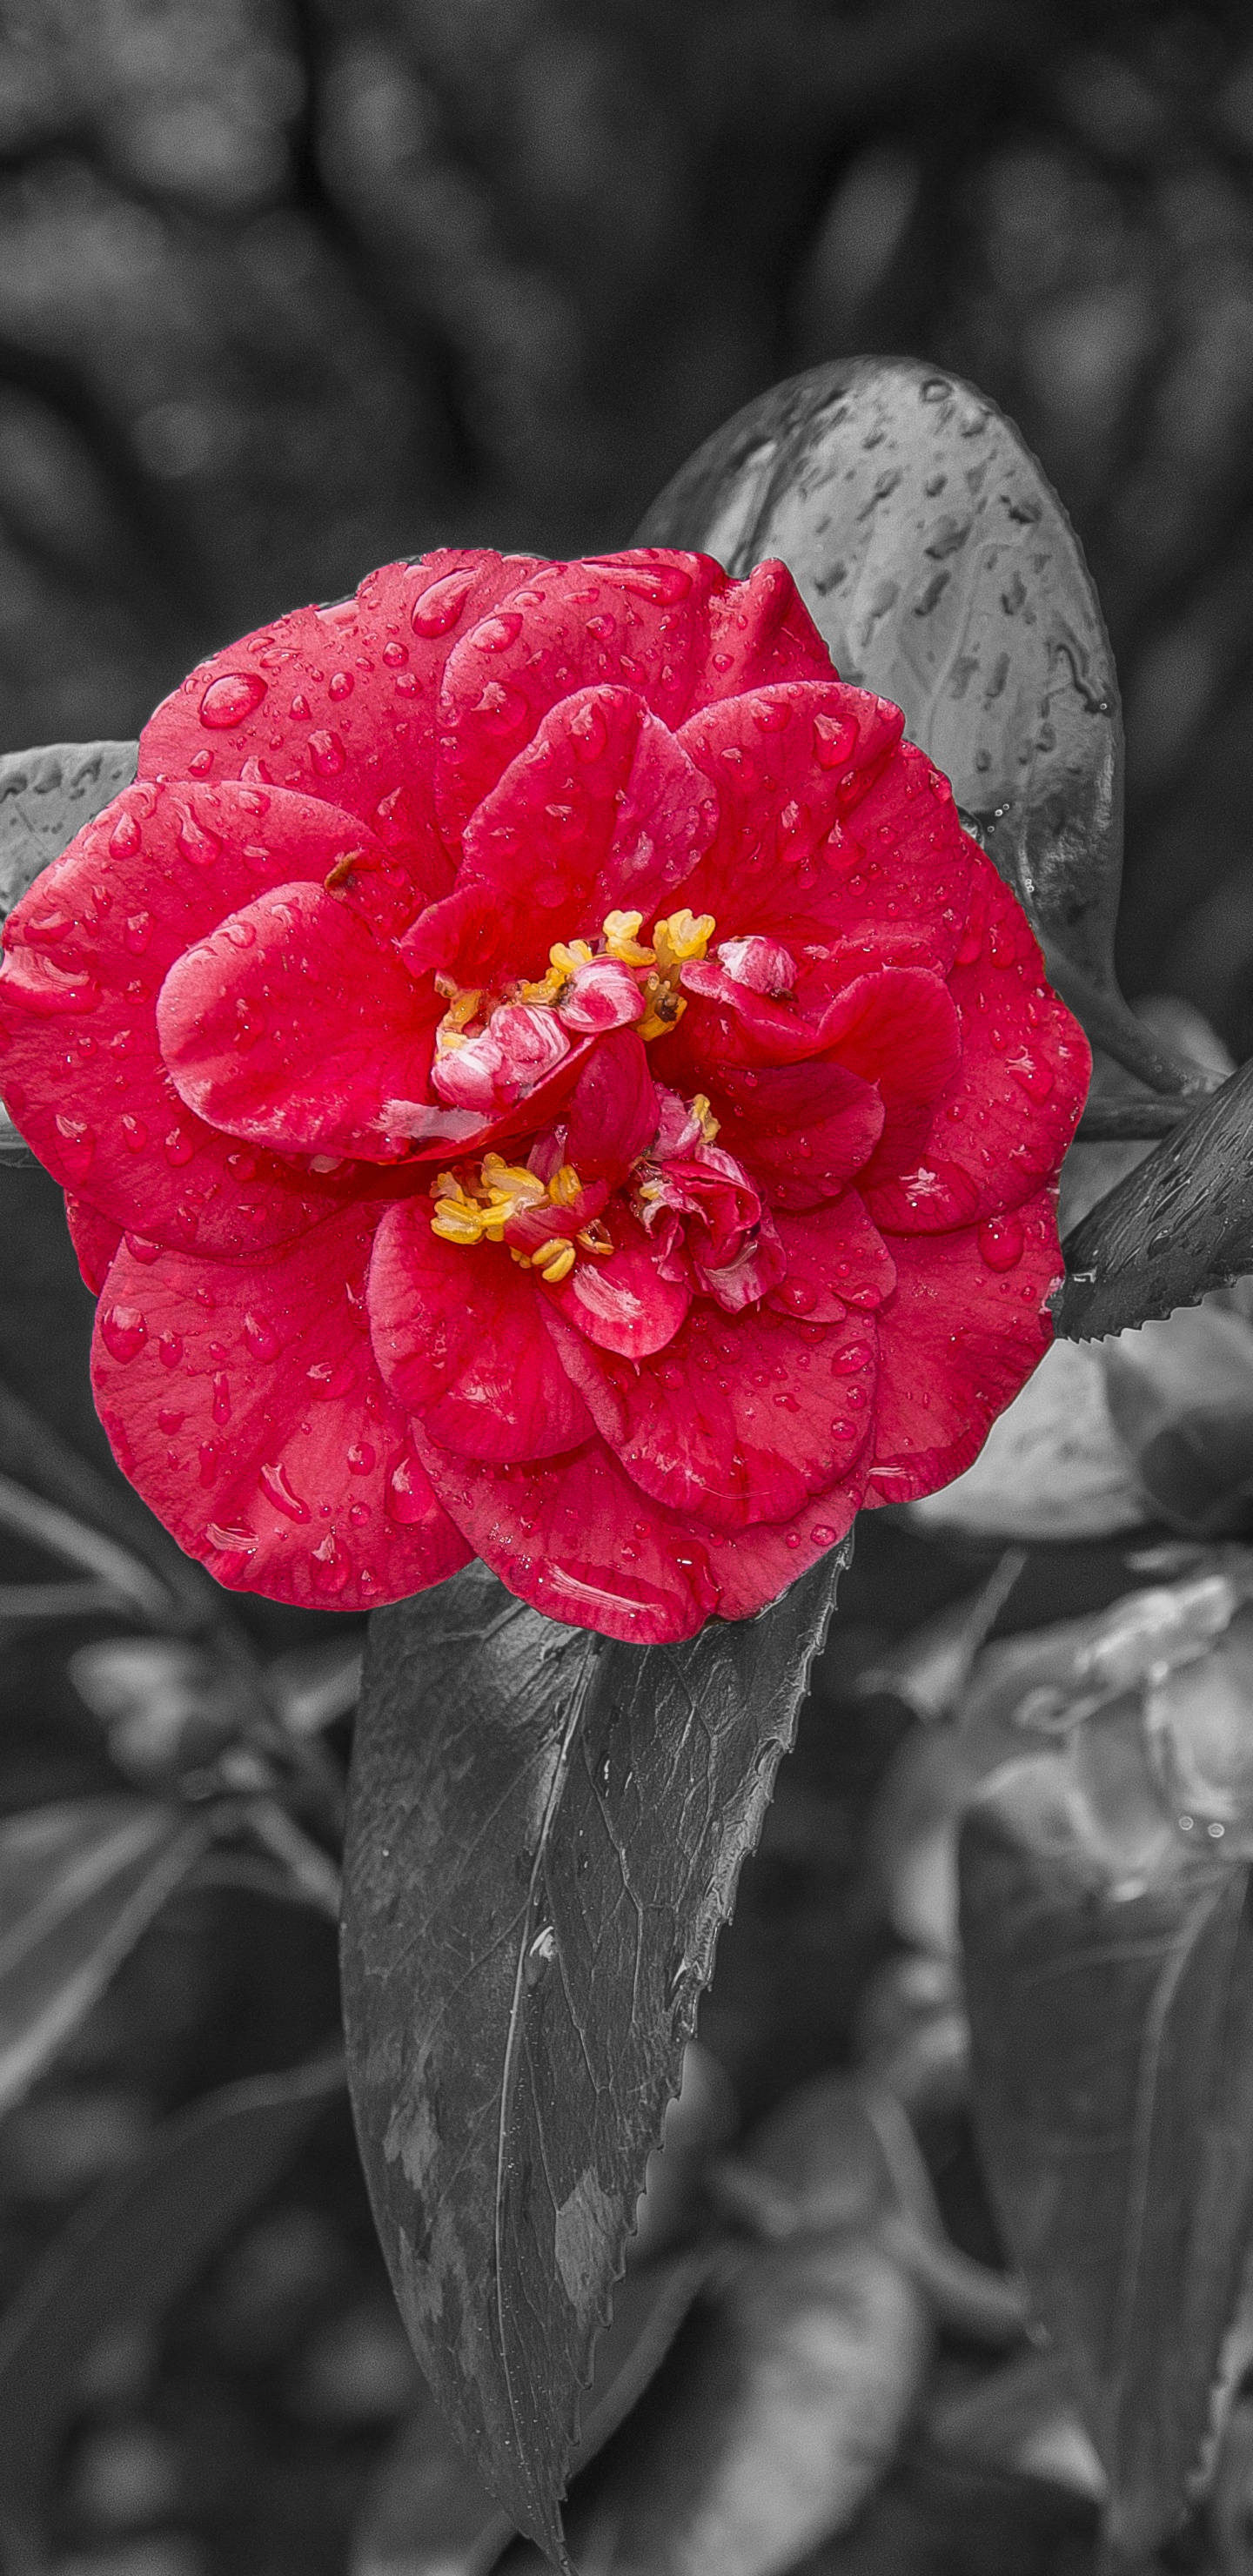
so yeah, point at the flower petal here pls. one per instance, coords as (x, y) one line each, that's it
(154, 873)
(340, 702)
(575, 1538)
(738, 1420)
(638, 619)
(761, 632)
(602, 811)
(752, 1567)
(1004, 1122)
(802, 1130)
(462, 1343)
(245, 1404)
(836, 1259)
(787, 763)
(613, 1109)
(620, 1300)
(291, 1025)
(962, 1332)
(95, 1239)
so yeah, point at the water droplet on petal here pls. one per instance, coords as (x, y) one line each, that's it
(221, 1397)
(123, 1330)
(170, 1419)
(261, 1341)
(134, 1132)
(124, 838)
(274, 1484)
(408, 1494)
(361, 1458)
(340, 685)
(227, 701)
(834, 737)
(1001, 1242)
(170, 1349)
(178, 1147)
(588, 732)
(196, 844)
(78, 1144)
(138, 932)
(327, 754)
(437, 609)
(330, 1565)
(200, 764)
(208, 1463)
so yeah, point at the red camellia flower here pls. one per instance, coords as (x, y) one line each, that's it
(540, 1070)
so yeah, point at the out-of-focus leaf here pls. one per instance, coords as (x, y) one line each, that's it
(312, 1686)
(79, 1883)
(1052, 1467)
(1022, 2416)
(1229, 2505)
(166, 1704)
(1181, 1396)
(912, 2035)
(425, 2512)
(1109, 1977)
(1176, 1227)
(545, 1834)
(46, 796)
(929, 1668)
(943, 572)
(130, 2251)
(102, 1525)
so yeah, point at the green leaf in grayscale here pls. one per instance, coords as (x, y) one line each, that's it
(46, 796)
(545, 1833)
(942, 571)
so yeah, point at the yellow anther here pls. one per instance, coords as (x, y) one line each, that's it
(564, 1187)
(548, 990)
(510, 1185)
(462, 1008)
(456, 1218)
(622, 939)
(566, 955)
(665, 1008)
(681, 936)
(595, 1237)
(555, 1259)
(703, 1114)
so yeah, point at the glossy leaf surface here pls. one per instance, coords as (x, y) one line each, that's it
(129, 2252)
(46, 796)
(1109, 1974)
(943, 573)
(1180, 1224)
(79, 1883)
(545, 1833)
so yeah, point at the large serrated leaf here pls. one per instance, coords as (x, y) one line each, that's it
(1180, 1224)
(46, 796)
(943, 572)
(1112, 2029)
(544, 1837)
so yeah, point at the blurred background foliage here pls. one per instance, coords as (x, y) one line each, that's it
(289, 287)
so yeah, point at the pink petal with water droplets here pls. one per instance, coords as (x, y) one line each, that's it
(760, 633)
(739, 1419)
(281, 1473)
(291, 1025)
(778, 800)
(836, 1259)
(371, 749)
(619, 621)
(752, 1567)
(462, 1344)
(95, 1239)
(1003, 1124)
(126, 1144)
(575, 1538)
(601, 812)
(620, 1300)
(802, 1130)
(613, 1109)
(957, 1338)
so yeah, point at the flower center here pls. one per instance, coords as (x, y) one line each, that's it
(544, 1223)
(590, 986)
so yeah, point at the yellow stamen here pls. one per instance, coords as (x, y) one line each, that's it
(701, 1111)
(622, 939)
(548, 990)
(665, 1007)
(456, 1218)
(462, 1008)
(567, 955)
(681, 936)
(595, 1237)
(510, 1185)
(564, 1187)
(555, 1259)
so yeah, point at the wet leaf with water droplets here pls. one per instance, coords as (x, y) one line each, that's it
(943, 573)
(1108, 1968)
(1178, 1225)
(46, 796)
(544, 1839)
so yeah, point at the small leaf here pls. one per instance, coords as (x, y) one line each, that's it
(942, 571)
(79, 1883)
(46, 796)
(1179, 1225)
(129, 2252)
(1109, 1975)
(545, 1833)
